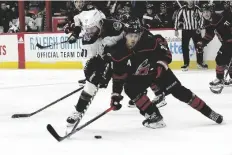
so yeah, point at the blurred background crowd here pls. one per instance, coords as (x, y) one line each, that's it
(153, 14)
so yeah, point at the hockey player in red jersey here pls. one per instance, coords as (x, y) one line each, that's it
(221, 25)
(139, 61)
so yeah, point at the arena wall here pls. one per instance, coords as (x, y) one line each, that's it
(19, 51)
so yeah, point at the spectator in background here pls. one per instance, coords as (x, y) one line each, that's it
(165, 18)
(14, 23)
(128, 7)
(111, 7)
(175, 9)
(139, 8)
(150, 18)
(226, 7)
(31, 23)
(14, 12)
(5, 17)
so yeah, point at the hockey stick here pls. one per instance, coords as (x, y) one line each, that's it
(54, 102)
(57, 43)
(53, 132)
(106, 70)
(223, 82)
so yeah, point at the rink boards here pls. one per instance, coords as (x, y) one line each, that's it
(19, 51)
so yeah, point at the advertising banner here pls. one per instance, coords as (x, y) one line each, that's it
(57, 53)
(8, 48)
(174, 43)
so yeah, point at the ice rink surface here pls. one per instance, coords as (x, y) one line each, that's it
(187, 132)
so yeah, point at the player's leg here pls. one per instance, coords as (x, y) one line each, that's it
(199, 52)
(186, 95)
(97, 74)
(136, 91)
(229, 81)
(222, 59)
(159, 99)
(227, 61)
(174, 87)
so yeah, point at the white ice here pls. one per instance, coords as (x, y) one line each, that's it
(188, 132)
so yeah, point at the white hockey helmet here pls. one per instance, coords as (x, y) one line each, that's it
(93, 18)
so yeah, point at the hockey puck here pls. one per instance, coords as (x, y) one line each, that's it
(98, 137)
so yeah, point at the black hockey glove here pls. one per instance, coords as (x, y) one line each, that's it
(72, 40)
(115, 101)
(75, 34)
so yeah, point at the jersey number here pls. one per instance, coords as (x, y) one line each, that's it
(84, 53)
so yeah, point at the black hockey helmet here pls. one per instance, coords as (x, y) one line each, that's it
(163, 5)
(208, 6)
(133, 25)
(149, 6)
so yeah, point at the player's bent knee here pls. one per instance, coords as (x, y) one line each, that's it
(221, 60)
(90, 88)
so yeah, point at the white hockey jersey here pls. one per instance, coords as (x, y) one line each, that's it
(91, 18)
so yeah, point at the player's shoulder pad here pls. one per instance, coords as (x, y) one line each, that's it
(159, 38)
(152, 42)
(217, 18)
(160, 41)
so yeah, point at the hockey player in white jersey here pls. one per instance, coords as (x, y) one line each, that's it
(97, 33)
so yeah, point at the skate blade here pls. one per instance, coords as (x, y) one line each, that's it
(131, 106)
(185, 69)
(159, 105)
(202, 68)
(157, 125)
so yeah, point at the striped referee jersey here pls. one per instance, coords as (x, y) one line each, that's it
(191, 18)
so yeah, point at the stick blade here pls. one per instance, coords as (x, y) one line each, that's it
(53, 132)
(20, 115)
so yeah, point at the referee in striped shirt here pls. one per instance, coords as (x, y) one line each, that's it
(190, 17)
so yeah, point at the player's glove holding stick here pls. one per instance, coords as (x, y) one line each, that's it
(115, 101)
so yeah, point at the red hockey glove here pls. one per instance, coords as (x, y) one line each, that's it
(161, 68)
(115, 101)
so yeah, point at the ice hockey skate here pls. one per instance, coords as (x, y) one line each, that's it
(185, 67)
(154, 121)
(216, 117)
(131, 104)
(159, 101)
(216, 83)
(228, 82)
(73, 120)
